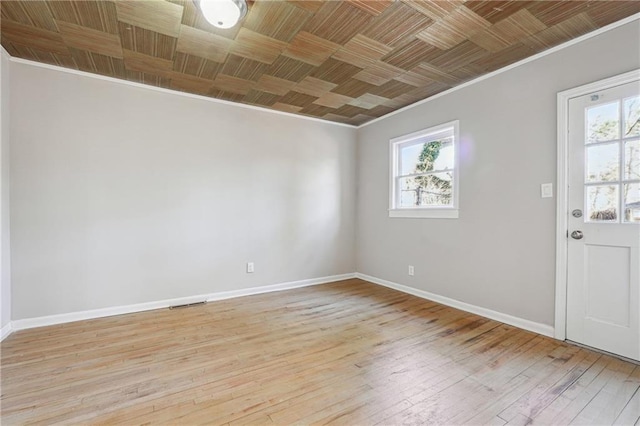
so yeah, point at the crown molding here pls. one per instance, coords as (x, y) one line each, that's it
(535, 57)
(170, 91)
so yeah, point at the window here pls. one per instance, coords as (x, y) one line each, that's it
(424, 173)
(612, 170)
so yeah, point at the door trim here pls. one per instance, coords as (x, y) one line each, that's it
(560, 323)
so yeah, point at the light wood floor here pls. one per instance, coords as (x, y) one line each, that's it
(343, 353)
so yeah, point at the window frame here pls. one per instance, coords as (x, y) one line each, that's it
(423, 136)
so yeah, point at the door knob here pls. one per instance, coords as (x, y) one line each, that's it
(577, 235)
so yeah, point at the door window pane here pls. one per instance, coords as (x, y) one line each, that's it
(632, 116)
(603, 122)
(602, 203)
(631, 197)
(632, 160)
(603, 163)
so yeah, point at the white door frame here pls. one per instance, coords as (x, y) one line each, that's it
(560, 325)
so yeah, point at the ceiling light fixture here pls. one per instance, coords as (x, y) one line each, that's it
(223, 13)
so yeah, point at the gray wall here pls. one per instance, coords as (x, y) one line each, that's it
(5, 259)
(123, 195)
(500, 253)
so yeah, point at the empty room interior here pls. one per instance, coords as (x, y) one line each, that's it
(320, 212)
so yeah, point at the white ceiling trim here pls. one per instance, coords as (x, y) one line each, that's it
(535, 57)
(169, 91)
(512, 66)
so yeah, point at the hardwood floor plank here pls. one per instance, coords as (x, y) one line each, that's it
(620, 398)
(520, 420)
(631, 412)
(507, 378)
(603, 408)
(344, 353)
(375, 408)
(563, 405)
(547, 390)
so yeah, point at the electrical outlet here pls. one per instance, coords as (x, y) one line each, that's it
(411, 271)
(249, 267)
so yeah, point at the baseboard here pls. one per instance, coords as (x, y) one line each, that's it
(23, 324)
(544, 329)
(278, 287)
(6, 331)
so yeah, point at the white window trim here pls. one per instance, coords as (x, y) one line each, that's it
(434, 212)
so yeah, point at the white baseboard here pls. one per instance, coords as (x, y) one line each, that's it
(6, 331)
(23, 324)
(544, 329)
(278, 287)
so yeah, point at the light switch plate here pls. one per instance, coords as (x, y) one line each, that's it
(546, 190)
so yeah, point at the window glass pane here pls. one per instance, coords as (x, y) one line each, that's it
(445, 158)
(420, 158)
(632, 116)
(632, 202)
(603, 122)
(436, 189)
(409, 157)
(408, 188)
(602, 203)
(428, 190)
(603, 163)
(632, 160)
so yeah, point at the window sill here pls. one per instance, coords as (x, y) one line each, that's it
(433, 213)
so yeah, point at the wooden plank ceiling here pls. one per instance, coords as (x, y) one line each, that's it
(344, 61)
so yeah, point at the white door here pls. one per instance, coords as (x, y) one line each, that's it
(603, 277)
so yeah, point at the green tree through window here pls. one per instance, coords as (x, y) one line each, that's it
(424, 173)
(431, 189)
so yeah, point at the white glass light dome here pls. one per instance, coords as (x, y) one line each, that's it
(223, 13)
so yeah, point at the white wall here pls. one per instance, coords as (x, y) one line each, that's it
(123, 195)
(5, 260)
(500, 253)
